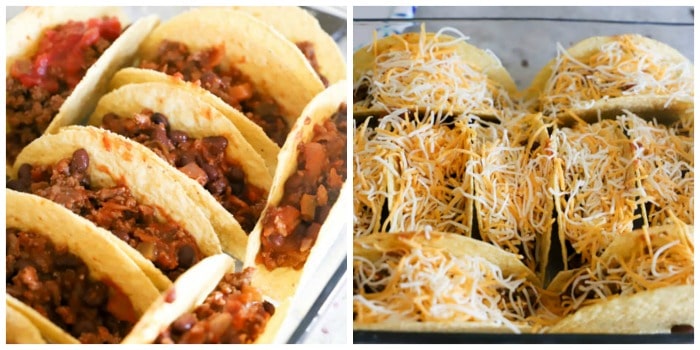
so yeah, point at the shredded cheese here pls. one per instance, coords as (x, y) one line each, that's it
(596, 188)
(411, 281)
(430, 74)
(666, 165)
(409, 174)
(511, 184)
(632, 269)
(626, 66)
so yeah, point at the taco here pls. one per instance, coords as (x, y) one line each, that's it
(512, 174)
(642, 283)
(70, 281)
(303, 29)
(218, 168)
(666, 169)
(19, 330)
(305, 201)
(57, 59)
(601, 76)
(430, 72)
(238, 58)
(208, 304)
(442, 282)
(410, 173)
(595, 188)
(118, 185)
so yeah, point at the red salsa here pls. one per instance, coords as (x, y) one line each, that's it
(170, 247)
(57, 284)
(229, 84)
(291, 228)
(37, 86)
(203, 160)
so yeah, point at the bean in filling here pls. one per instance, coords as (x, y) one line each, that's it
(234, 313)
(290, 229)
(36, 87)
(170, 247)
(57, 284)
(307, 48)
(228, 83)
(203, 160)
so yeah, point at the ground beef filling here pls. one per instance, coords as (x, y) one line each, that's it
(290, 229)
(37, 87)
(165, 243)
(203, 160)
(230, 84)
(307, 48)
(57, 284)
(234, 313)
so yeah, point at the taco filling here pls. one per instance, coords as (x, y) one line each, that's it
(307, 48)
(228, 83)
(234, 313)
(290, 228)
(170, 247)
(37, 86)
(203, 160)
(57, 284)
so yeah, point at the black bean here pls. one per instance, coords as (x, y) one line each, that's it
(682, 328)
(269, 308)
(96, 294)
(177, 136)
(212, 172)
(217, 186)
(160, 119)
(235, 174)
(159, 135)
(79, 162)
(215, 144)
(185, 256)
(184, 159)
(184, 323)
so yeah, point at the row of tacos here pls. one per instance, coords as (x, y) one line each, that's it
(125, 229)
(584, 181)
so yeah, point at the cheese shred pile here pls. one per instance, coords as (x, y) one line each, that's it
(626, 66)
(422, 283)
(633, 268)
(429, 73)
(409, 174)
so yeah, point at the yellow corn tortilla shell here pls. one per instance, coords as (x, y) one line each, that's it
(646, 106)
(482, 61)
(275, 66)
(187, 112)
(25, 30)
(19, 329)
(652, 311)
(253, 133)
(283, 282)
(189, 291)
(117, 160)
(103, 258)
(297, 25)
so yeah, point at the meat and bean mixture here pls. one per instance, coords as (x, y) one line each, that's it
(170, 247)
(234, 313)
(307, 48)
(290, 229)
(57, 284)
(228, 83)
(203, 160)
(36, 87)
